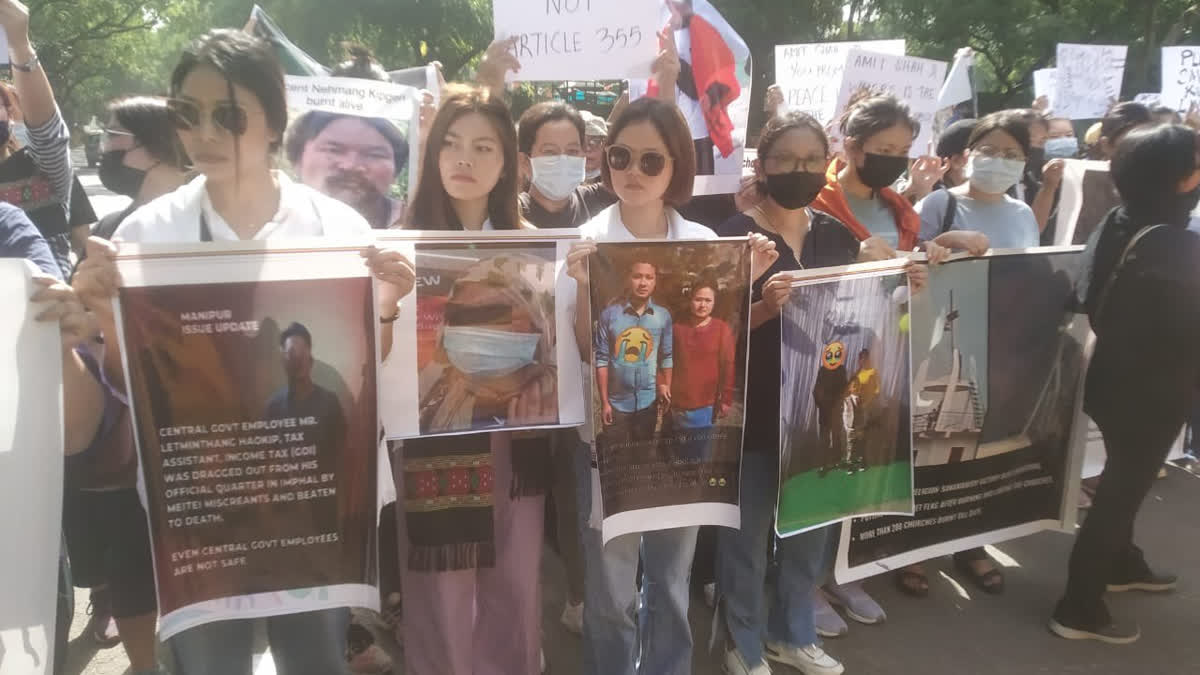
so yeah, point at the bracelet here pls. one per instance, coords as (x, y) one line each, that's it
(28, 66)
(390, 319)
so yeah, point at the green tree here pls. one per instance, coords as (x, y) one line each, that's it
(1016, 37)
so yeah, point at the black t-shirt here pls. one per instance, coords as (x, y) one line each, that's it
(828, 244)
(583, 205)
(82, 212)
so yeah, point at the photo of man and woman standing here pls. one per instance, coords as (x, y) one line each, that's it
(669, 337)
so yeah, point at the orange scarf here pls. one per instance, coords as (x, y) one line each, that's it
(832, 200)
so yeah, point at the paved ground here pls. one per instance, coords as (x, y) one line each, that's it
(955, 630)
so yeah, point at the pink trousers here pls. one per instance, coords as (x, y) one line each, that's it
(485, 621)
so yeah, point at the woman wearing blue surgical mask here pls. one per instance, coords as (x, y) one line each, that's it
(979, 214)
(496, 351)
(552, 141)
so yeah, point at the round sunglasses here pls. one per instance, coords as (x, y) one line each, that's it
(651, 163)
(186, 116)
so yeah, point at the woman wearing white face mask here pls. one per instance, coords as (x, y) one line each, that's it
(979, 214)
(552, 141)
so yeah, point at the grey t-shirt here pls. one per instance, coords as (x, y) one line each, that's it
(1007, 224)
(874, 215)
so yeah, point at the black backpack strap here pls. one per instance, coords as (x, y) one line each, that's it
(948, 217)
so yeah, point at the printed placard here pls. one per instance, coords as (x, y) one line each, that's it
(844, 436)
(669, 359)
(356, 141)
(579, 39)
(998, 361)
(479, 346)
(254, 409)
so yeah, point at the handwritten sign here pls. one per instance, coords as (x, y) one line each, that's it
(1089, 79)
(811, 74)
(1180, 77)
(1045, 83)
(580, 39)
(914, 80)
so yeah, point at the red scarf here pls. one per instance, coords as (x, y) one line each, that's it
(832, 200)
(712, 64)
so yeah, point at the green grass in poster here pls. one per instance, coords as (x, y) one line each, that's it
(808, 499)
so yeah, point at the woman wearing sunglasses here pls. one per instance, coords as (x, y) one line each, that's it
(472, 602)
(650, 165)
(141, 156)
(229, 107)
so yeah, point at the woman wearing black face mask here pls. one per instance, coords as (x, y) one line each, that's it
(790, 170)
(878, 132)
(1142, 290)
(141, 158)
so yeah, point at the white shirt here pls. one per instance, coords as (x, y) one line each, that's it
(608, 226)
(302, 212)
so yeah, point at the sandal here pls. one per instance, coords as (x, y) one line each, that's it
(991, 581)
(912, 582)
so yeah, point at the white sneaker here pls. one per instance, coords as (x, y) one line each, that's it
(736, 665)
(572, 617)
(810, 660)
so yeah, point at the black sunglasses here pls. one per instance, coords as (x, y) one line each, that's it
(650, 163)
(186, 115)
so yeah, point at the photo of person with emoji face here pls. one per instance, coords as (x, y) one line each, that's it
(633, 343)
(829, 393)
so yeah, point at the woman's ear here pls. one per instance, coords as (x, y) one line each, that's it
(525, 166)
(1189, 184)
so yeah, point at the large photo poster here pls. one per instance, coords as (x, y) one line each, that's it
(998, 355)
(31, 476)
(254, 405)
(477, 348)
(670, 324)
(357, 141)
(845, 439)
(713, 90)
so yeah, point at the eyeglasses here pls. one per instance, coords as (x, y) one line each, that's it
(994, 152)
(594, 142)
(114, 137)
(186, 115)
(651, 163)
(788, 163)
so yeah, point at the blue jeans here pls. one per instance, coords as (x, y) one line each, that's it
(695, 428)
(659, 640)
(801, 566)
(310, 643)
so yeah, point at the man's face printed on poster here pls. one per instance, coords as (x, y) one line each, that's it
(349, 160)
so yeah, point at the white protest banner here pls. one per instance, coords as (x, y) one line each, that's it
(1089, 79)
(1180, 77)
(914, 80)
(356, 141)
(1045, 83)
(811, 74)
(31, 476)
(580, 39)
